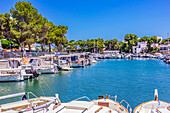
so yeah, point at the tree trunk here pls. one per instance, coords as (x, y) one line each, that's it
(49, 47)
(42, 46)
(29, 47)
(60, 48)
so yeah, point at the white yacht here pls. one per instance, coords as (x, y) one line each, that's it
(153, 106)
(102, 105)
(20, 63)
(29, 105)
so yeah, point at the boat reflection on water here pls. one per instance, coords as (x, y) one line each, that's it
(64, 73)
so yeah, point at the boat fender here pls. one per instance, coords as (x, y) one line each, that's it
(77, 61)
(106, 96)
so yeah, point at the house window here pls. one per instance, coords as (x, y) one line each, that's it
(139, 46)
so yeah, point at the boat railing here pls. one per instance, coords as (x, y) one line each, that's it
(128, 105)
(82, 98)
(113, 97)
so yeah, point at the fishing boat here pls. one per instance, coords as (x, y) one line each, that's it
(153, 106)
(29, 105)
(102, 105)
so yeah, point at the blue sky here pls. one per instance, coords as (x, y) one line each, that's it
(106, 19)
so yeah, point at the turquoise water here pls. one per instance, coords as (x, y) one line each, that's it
(132, 80)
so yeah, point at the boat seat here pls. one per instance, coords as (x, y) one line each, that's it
(47, 98)
(15, 105)
(80, 105)
(10, 111)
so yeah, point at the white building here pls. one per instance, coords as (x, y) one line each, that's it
(141, 47)
(155, 45)
(164, 48)
(111, 52)
(159, 38)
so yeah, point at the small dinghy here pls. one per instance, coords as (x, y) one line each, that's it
(153, 106)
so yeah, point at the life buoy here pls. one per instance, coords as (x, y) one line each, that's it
(77, 61)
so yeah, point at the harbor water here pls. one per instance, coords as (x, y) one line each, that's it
(132, 80)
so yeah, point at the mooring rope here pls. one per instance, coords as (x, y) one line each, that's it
(49, 87)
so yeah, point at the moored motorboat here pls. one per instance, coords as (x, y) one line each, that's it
(8, 74)
(63, 62)
(29, 105)
(43, 66)
(11, 75)
(153, 106)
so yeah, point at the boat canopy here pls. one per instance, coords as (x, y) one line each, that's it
(74, 58)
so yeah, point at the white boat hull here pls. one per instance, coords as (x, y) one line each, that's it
(153, 107)
(46, 71)
(11, 78)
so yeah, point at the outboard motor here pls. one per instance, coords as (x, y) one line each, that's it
(35, 74)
